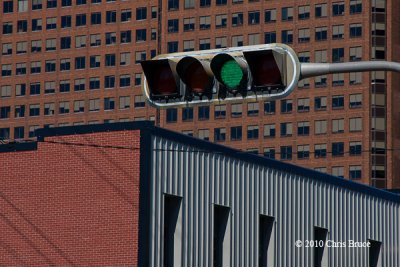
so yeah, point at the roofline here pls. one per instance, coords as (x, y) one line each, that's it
(149, 127)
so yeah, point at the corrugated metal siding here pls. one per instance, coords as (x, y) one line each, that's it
(297, 203)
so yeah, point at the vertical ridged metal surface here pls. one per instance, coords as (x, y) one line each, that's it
(296, 202)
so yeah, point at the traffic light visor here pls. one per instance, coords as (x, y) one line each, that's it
(161, 78)
(196, 75)
(266, 68)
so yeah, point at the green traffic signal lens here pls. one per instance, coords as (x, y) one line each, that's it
(231, 74)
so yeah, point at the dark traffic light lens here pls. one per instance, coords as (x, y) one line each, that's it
(197, 78)
(160, 78)
(231, 74)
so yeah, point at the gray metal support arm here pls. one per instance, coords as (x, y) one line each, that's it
(317, 69)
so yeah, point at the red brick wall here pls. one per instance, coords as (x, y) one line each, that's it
(67, 205)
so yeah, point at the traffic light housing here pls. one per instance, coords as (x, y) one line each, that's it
(231, 74)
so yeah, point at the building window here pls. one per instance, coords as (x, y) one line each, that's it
(37, 4)
(321, 33)
(188, 45)
(355, 6)
(270, 15)
(50, 87)
(221, 2)
(65, 3)
(80, 20)
(321, 127)
(253, 109)
(140, 56)
(355, 124)
(237, 19)
(173, 5)
(338, 32)
(287, 13)
(172, 47)
(270, 37)
(304, 35)
(109, 103)
(138, 78)
(19, 132)
(79, 85)
(219, 134)
(7, 28)
(65, 86)
(355, 101)
(254, 17)
(6, 70)
(303, 128)
(20, 89)
(95, 61)
(338, 126)
(252, 132)
(22, 5)
(94, 104)
(269, 130)
(124, 102)
(110, 60)
(5, 91)
(7, 49)
(20, 69)
(63, 108)
(287, 36)
(303, 105)
(219, 111)
(19, 111)
(286, 129)
(236, 133)
(187, 114)
(320, 103)
(34, 110)
(205, 22)
(36, 25)
(173, 25)
(126, 37)
(286, 106)
(338, 149)
(269, 107)
(95, 40)
(338, 9)
(141, 13)
(203, 112)
(286, 152)
(338, 102)
(80, 41)
(320, 150)
(80, 63)
(126, 15)
(321, 10)
(65, 42)
(139, 101)
(109, 81)
(356, 53)
(125, 80)
(338, 171)
(95, 18)
(338, 79)
(22, 26)
(356, 30)
(304, 12)
(204, 134)
(79, 106)
(4, 133)
(189, 24)
(236, 110)
(172, 115)
(65, 64)
(269, 152)
(355, 148)
(5, 112)
(237, 40)
(111, 16)
(8, 7)
(303, 151)
(34, 89)
(355, 172)
(221, 42)
(355, 78)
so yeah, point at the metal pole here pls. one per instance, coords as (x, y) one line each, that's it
(316, 69)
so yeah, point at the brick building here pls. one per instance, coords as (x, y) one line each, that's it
(131, 194)
(67, 62)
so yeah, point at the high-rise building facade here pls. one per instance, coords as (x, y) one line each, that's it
(67, 62)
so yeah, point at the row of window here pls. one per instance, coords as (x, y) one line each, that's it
(253, 109)
(321, 10)
(286, 129)
(79, 63)
(65, 86)
(66, 107)
(23, 5)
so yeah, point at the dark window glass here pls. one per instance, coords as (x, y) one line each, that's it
(66, 21)
(236, 133)
(338, 149)
(51, 3)
(95, 18)
(111, 16)
(270, 37)
(141, 13)
(80, 20)
(286, 152)
(8, 7)
(65, 42)
(140, 35)
(204, 113)
(187, 114)
(80, 63)
(172, 115)
(173, 25)
(173, 4)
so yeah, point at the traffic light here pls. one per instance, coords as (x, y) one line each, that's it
(229, 74)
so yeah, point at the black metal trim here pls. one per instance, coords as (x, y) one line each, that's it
(17, 147)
